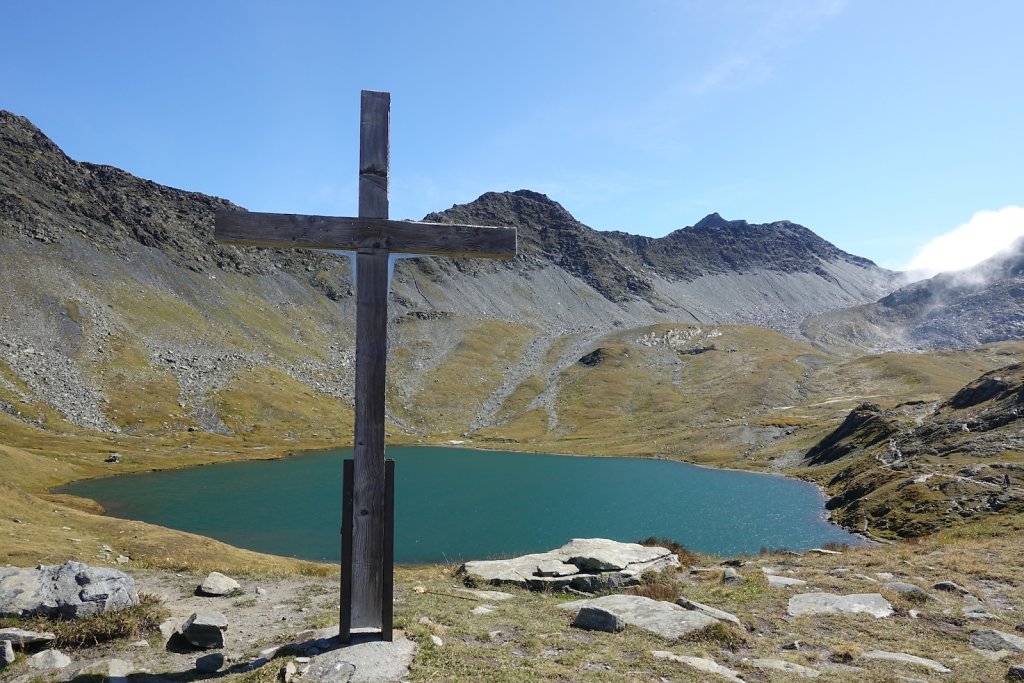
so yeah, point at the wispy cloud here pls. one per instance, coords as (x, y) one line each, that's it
(985, 235)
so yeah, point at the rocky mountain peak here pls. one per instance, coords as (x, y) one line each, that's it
(714, 220)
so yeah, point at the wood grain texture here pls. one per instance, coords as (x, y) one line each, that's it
(347, 484)
(368, 495)
(286, 230)
(374, 153)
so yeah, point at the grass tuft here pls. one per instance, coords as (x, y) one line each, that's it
(719, 633)
(131, 623)
(686, 556)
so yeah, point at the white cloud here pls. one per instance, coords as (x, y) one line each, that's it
(987, 233)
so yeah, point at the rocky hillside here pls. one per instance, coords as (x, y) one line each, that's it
(982, 304)
(920, 466)
(119, 313)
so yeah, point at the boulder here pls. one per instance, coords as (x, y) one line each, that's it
(713, 612)
(909, 589)
(205, 629)
(217, 584)
(210, 663)
(904, 658)
(996, 641)
(583, 564)
(363, 662)
(827, 603)
(68, 591)
(1015, 673)
(6, 653)
(665, 619)
(951, 587)
(48, 660)
(598, 619)
(730, 575)
(701, 664)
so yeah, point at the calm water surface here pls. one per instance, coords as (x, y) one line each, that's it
(456, 504)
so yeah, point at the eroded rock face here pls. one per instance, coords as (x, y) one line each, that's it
(584, 564)
(69, 591)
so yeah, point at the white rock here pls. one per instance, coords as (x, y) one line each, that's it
(930, 664)
(786, 667)
(827, 603)
(483, 609)
(663, 618)
(436, 640)
(783, 581)
(218, 584)
(49, 659)
(701, 664)
(492, 596)
(713, 612)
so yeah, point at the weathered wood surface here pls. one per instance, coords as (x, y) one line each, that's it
(284, 230)
(374, 153)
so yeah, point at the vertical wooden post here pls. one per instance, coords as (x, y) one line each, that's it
(368, 519)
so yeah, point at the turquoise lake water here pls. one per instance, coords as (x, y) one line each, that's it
(456, 504)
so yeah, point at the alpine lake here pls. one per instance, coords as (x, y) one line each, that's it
(455, 504)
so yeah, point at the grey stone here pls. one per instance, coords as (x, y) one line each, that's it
(783, 581)
(210, 663)
(598, 619)
(996, 641)
(908, 589)
(6, 652)
(483, 609)
(168, 628)
(824, 551)
(600, 564)
(975, 609)
(951, 587)
(730, 575)
(923, 662)
(217, 584)
(827, 603)
(713, 612)
(48, 660)
(1015, 673)
(288, 672)
(22, 637)
(205, 629)
(69, 591)
(786, 667)
(364, 661)
(663, 618)
(700, 664)
(492, 596)
(436, 640)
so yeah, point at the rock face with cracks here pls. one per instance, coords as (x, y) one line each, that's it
(583, 564)
(68, 591)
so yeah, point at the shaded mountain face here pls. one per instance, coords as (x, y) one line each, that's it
(918, 467)
(962, 309)
(119, 312)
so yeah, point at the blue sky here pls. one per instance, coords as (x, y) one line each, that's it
(880, 125)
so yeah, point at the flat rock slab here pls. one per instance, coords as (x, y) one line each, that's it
(492, 596)
(713, 612)
(666, 619)
(827, 603)
(19, 636)
(776, 581)
(70, 591)
(701, 664)
(922, 662)
(996, 641)
(585, 564)
(369, 661)
(785, 667)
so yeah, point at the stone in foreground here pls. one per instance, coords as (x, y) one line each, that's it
(205, 629)
(598, 619)
(22, 637)
(48, 660)
(996, 641)
(210, 663)
(827, 603)
(701, 664)
(665, 619)
(6, 653)
(923, 662)
(713, 612)
(583, 564)
(785, 667)
(217, 584)
(68, 591)
(776, 581)
(364, 661)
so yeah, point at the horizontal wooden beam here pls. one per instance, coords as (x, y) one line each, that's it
(292, 231)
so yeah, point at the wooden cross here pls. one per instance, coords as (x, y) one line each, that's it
(367, 566)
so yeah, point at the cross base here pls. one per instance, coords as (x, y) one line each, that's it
(346, 630)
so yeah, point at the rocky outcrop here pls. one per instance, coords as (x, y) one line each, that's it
(68, 591)
(827, 603)
(666, 619)
(583, 564)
